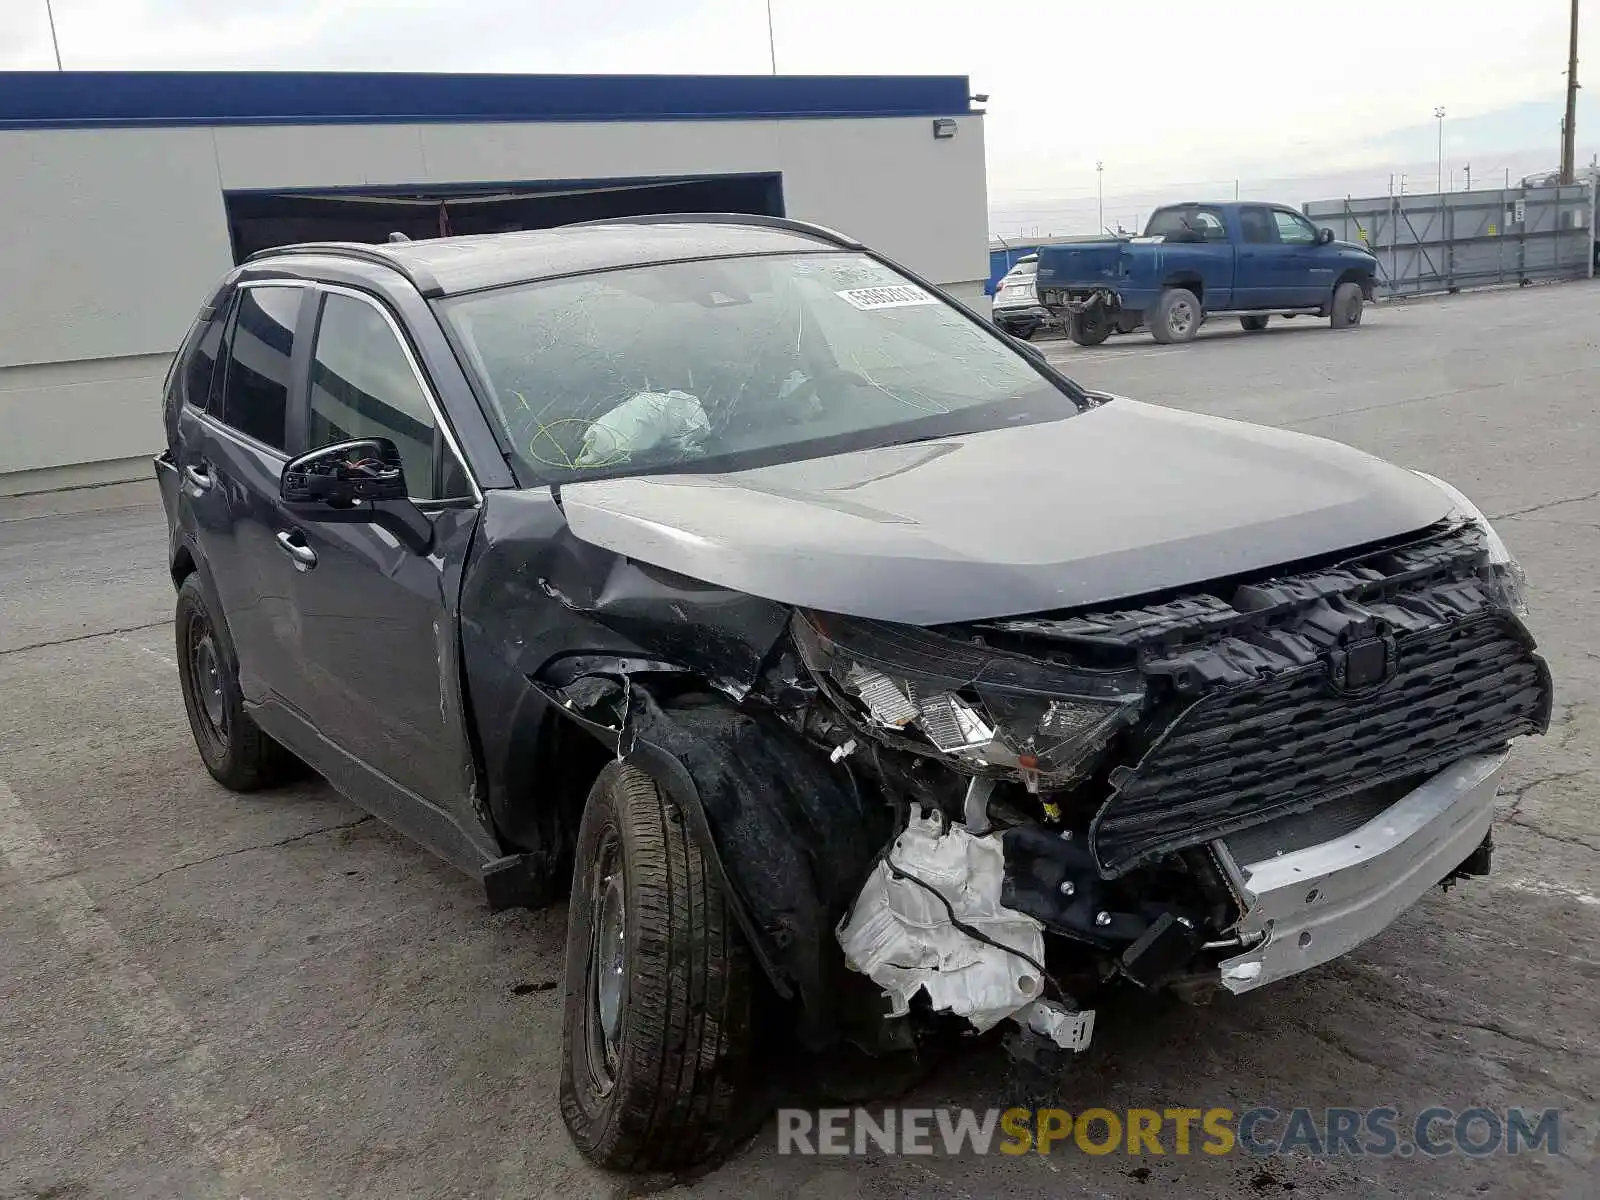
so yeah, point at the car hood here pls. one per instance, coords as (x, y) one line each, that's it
(1122, 500)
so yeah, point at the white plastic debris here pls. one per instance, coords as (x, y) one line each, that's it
(642, 422)
(901, 937)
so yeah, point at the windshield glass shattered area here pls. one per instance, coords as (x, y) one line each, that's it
(726, 363)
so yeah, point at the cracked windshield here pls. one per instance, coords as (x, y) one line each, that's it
(727, 363)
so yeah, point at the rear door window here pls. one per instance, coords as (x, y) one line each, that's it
(202, 363)
(255, 391)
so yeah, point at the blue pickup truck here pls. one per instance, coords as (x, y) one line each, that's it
(1194, 261)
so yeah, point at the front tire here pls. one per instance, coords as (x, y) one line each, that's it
(1177, 317)
(1348, 303)
(657, 1032)
(238, 755)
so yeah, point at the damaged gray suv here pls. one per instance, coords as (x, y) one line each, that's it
(837, 660)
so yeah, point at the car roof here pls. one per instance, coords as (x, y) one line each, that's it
(452, 265)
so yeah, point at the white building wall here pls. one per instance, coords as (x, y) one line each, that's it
(117, 234)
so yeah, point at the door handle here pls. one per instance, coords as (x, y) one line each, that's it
(304, 556)
(198, 479)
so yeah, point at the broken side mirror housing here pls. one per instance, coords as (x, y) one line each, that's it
(360, 481)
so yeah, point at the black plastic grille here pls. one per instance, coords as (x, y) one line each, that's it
(1244, 754)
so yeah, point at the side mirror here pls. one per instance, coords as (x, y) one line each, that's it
(356, 482)
(1324, 236)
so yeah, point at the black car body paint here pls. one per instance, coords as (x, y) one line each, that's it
(469, 695)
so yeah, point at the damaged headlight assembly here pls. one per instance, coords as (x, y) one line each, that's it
(930, 916)
(997, 712)
(1513, 580)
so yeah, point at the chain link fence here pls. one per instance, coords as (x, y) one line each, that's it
(1445, 242)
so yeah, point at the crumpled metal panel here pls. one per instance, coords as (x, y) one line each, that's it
(901, 937)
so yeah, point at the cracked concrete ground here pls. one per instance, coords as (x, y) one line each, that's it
(208, 995)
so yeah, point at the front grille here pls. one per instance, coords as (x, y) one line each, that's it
(1246, 753)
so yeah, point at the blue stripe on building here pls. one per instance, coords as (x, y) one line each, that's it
(89, 99)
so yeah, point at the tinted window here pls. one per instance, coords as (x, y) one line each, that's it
(717, 364)
(1256, 226)
(255, 396)
(362, 385)
(1293, 229)
(1188, 223)
(202, 363)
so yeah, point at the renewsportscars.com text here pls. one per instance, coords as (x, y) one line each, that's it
(1320, 1133)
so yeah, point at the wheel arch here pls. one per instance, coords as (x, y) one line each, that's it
(1189, 280)
(188, 559)
(788, 834)
(1357, 275)
(587, 753)
(183, 564)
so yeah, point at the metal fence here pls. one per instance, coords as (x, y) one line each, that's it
(1444, 242)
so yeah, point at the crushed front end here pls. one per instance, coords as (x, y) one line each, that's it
(1215, 787)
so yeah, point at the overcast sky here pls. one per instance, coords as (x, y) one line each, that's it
(1163, 91)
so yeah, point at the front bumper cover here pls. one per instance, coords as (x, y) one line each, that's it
(1304, 908)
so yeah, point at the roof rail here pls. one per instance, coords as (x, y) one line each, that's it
(423, 280)
(821, 232)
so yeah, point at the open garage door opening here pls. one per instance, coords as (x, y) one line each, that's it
(261, 220)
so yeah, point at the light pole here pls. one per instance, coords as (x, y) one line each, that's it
(1100, 189)
(1438, 114)
(1568, 122)
(772, 45)
(54, 43)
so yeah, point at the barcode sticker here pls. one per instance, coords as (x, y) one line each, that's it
(893, 295)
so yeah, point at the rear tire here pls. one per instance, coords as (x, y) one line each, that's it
(1089, 329)
(1177, 316)
(657, 1033)
(1254, 323)
(1348, 302)
(238, 755)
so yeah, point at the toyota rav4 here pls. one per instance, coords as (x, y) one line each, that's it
(830, 654)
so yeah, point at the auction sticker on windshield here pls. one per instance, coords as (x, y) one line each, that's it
(894, 295)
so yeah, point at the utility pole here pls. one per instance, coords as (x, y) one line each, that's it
(1570, 121)
(1100, 188)
(772, 45)
(1469, 177)
(1438, 115)
(55, 43)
